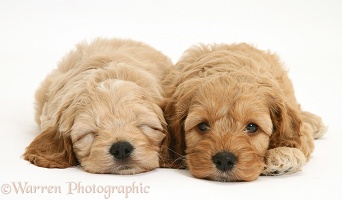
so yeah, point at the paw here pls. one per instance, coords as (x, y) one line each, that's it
(283, 160)
(319, 130)
(315, 123)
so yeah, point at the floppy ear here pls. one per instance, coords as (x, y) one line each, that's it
(286, 124)
(51, 149)
(288, 127)
(176, 111)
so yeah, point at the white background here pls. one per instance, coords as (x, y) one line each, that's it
(34, 35)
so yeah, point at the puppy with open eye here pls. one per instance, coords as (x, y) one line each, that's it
(101, 108)
(232, 115)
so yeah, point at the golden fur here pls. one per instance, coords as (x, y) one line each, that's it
(232, 115)
(102, 93)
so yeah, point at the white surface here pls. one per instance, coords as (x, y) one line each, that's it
(34, 35)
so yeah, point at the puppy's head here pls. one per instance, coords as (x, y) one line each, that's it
(120, 131)
(112, 126)
(225, 122)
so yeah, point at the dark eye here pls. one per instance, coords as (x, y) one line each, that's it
(251, 128)
(203, 126)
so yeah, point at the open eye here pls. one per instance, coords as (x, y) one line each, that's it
(251, 128)
(203, 126)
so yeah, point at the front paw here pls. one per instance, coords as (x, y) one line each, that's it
(283, 160)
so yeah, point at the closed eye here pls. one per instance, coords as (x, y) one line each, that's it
(146, 127)
(81, 137)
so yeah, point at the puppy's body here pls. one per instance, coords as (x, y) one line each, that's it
(232, 113)
(101, 107)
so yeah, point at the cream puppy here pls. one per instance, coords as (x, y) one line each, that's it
(101, 108)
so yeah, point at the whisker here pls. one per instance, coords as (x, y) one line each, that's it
(172, 150)
(181, 164)
(180, 158)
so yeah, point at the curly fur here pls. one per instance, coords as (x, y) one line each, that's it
(229, 87)
(101, 93)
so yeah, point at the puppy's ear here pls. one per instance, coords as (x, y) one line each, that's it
(51, 149)
(288, 129)
(176, 111)
(286, 124)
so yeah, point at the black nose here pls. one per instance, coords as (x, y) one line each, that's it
(224, 161)
(121, 150)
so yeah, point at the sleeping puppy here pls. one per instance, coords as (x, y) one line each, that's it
(232, 115)
(101, 108)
